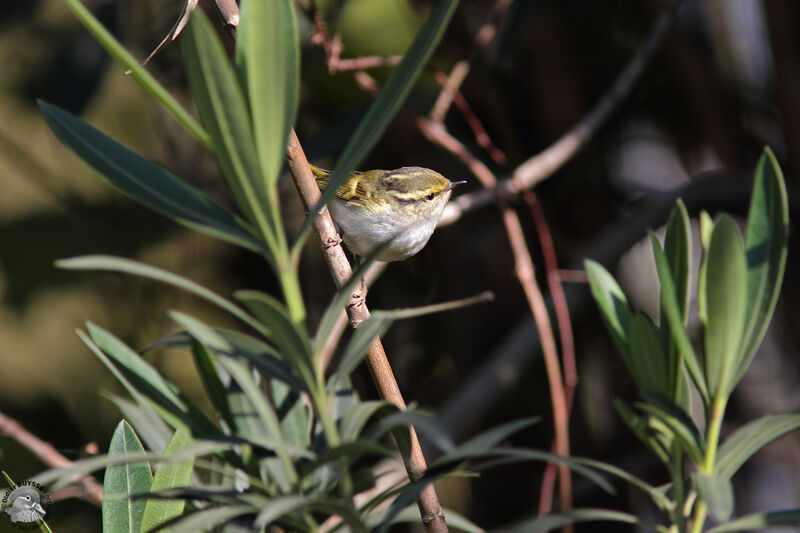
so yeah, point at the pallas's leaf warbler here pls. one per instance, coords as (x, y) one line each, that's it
(402, 206)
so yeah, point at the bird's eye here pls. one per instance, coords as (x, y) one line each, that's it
(430, 197)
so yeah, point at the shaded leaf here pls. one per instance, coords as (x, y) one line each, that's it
(768, 520)
(163, 395)
(553, 521)
(678, 422)
(613, 306)
(765, 248)
(650, 367)
(148, 182)
(717, 492)
(120, 264)
(750, 438)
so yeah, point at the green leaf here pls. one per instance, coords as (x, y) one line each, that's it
(268, 61)
(210, 376)
(238, 345)
(489, 439)
(207, 519)
(413, 312)
(717, 492)
(387, 104)
(678, 422)
(613, 307)
(678, 251)
(750, 438)
(552, 521)
(726, 294)
(163, 395)
(120, 512)
(294, 344)
(157, 512)
(356, 348)
(673, 320)
(120, 264)
(138, 72)
(147, 182)
(425, 424)
(293, 414)
(357, 416)
(284, 473)
(768, 520)
(765, 248)
(223, 113)
(150, 427)
(650, 368)
(706, 228)
(640, 427)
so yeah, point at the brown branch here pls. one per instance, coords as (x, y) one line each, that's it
(377, 362)
(89, 489)
(328, 349)
(564, 329)
(543, 165)
(438, 134)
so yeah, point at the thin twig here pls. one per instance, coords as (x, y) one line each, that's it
(438, 134)
(546, 163)
(90, 489)
(564, 329)
(481, 135)
(377, 362)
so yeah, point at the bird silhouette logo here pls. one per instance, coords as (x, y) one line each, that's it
(24, 505)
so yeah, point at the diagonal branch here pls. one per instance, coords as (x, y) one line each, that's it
(546, 163)
(377, 362)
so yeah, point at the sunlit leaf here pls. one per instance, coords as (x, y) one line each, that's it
(765, 248)
(726, 293)
(121, 514)
(156, 511)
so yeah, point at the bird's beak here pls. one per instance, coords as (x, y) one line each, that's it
(38, 508)
(454, 184)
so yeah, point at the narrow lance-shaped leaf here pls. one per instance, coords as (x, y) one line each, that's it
(769, 520)
(613, 307)
(750, 438)
(717, 492)
(726, 293)
(223, 112)
(268, 61)
(765, 247)
(672, 316)
(178, 474)
(122, 514)
(649, 366)
(147, 182)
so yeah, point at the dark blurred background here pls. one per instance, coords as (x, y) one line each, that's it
(725, 83)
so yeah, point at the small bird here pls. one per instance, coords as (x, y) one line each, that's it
(402, 206)
(24, 505)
